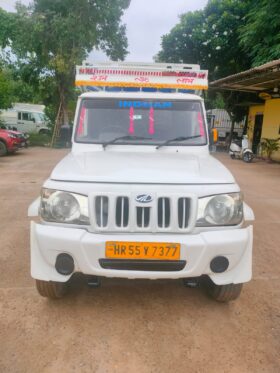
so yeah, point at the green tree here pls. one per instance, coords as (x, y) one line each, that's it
(6, 89)
(260, 34)
(183, 42)
(7, 28)
(6, 81)
(54, 36)
(210, 38)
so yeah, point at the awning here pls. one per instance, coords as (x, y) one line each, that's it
(264, 78)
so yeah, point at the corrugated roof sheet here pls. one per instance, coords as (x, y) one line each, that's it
(258, 79)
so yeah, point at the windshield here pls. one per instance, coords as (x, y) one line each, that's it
(39, 117)
(145, 122)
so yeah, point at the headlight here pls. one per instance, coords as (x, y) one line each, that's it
(64, 207)
(12, 136)
(222, 209)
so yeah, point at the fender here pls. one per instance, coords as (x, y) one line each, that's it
(33, 209)
(248, 213)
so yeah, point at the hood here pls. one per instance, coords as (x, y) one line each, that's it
(15, 132)
(12, 132)
(134, 167)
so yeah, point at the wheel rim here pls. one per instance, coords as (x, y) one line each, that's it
(247, 157)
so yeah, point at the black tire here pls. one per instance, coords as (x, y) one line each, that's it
(247, 157)
(3, 149)
(232, 156)
(51, 289)
(222, 293)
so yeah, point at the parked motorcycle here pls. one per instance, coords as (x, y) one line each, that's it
(240, 149)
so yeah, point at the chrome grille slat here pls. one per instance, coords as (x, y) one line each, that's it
(163, 212)
(101, 211)
(184, 213)
(122, 212)
(122, 215)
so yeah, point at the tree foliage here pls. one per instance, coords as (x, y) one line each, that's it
(7, 28)
(210, 38)
(6, 89)
(51, 37)
(260, 34)
(13, 88)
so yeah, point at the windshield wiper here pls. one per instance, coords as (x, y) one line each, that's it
(181, 138)
(127, 137)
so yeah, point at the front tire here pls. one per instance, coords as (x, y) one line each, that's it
(3, 149)
(223, 293)
(247, 157)
(232, 156)
(51, 289)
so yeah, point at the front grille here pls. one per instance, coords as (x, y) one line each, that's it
(116, 213)
(122, 212)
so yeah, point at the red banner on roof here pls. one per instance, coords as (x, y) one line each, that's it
(178, 76)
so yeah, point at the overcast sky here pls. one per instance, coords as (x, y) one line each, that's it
(146, 22)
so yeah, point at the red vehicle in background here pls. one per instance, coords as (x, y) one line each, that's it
(11, 141)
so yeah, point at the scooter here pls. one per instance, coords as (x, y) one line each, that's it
(240, 149)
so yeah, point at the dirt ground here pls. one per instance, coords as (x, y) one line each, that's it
(136, 326)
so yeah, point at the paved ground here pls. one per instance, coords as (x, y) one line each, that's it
(136, 326)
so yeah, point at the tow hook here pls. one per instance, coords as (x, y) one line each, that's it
(93, 281)
(191, 282)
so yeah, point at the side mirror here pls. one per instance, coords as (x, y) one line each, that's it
(214, 137)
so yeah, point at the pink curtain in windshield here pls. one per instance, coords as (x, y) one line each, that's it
(200, 123)
(81, 121)
(131, 121)
(151, 121)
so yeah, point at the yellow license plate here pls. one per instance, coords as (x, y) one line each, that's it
(143, 250)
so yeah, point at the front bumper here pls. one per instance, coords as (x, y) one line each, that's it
(13, 148)
(87, 249)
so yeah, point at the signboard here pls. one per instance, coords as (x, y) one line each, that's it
(142, 76)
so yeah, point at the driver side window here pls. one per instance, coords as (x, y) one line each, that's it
(25, 116)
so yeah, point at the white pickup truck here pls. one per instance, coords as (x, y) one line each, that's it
(139, 195)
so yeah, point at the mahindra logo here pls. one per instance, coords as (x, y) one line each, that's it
(144, 198)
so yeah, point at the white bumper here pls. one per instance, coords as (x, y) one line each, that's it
(87, 248)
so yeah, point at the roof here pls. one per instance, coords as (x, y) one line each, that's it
(263, 78)
(142, 95)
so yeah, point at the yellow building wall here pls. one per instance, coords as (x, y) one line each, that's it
(271, 121)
